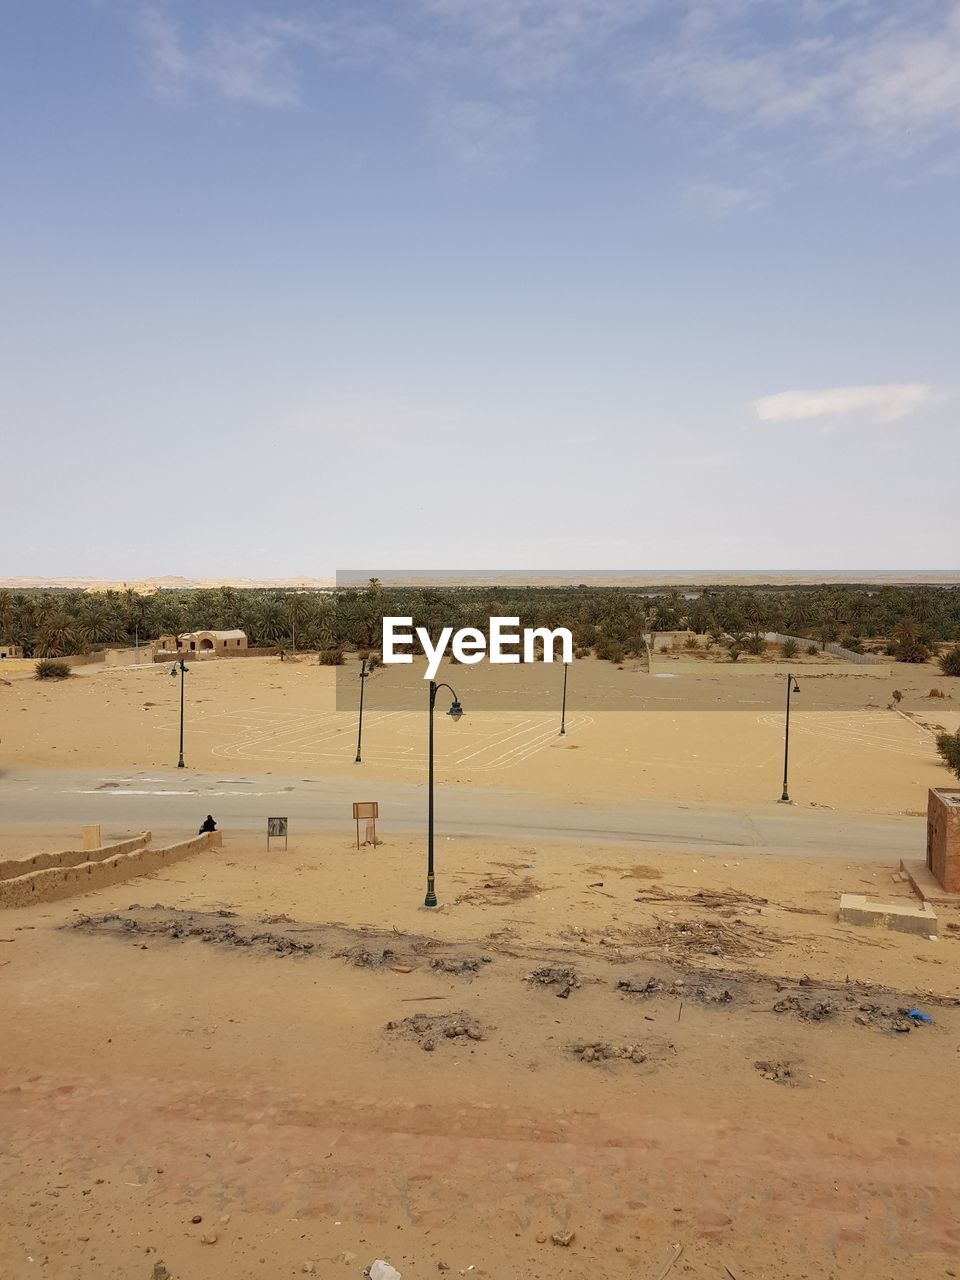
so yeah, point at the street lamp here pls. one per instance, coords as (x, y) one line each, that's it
(563, 704)
(364, 673)
(792, 687)
(455, 712)
(173, 671)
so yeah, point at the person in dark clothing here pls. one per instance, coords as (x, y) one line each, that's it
(208, 824)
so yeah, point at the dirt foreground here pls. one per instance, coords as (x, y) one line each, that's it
(279, 1064)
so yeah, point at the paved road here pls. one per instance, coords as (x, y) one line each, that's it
(174, 801)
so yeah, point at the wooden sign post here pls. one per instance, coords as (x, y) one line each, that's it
(370, 811)
(277, 828)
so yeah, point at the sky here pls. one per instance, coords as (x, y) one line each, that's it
(598, 284)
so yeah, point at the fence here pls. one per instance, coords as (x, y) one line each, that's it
(838, 651)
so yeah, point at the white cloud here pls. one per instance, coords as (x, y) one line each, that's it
(882, 402)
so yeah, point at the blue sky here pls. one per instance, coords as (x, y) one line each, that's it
(593, 283)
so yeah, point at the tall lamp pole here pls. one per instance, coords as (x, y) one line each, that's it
(455, 712)
(363, 676)
(563, 704)
(183, 668)
(792, 688)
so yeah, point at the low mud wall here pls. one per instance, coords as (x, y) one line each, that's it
(54, 883)
(10, 868)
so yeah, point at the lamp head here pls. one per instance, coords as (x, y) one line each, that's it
(173, 669)
(796, 687)
(456, 711)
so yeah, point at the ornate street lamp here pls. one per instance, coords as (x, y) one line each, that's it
(455, 712)
(792, 688)
(183, 668)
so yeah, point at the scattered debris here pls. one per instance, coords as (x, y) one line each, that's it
(160, 1272)
(460, 965)
(806, 1010)
(779, 1072)
(605, 1052)
(636, 987)
(563, 1238)
(675, 1253)
(565, 980)
(427, 1030)
(500, 891)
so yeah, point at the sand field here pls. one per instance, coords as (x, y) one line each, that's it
(166, 1067)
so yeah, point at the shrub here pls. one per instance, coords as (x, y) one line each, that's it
(789, 648)
(581, 652)
(948, 745)
(950, 662)
(911, 651)
(610, 651)
(936, 693)
(330, 658)
(812, 650)
(897, 696)
(754, 645)
(734, 652)
(692, 643)
(50, 669)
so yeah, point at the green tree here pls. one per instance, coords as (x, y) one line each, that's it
(948, 745)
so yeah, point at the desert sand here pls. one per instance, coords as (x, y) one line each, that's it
(282, 1054)
(713, 735)
(286, 1092)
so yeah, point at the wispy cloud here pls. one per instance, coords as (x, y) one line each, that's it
(881, 403)
(246, 63)
(878, 75)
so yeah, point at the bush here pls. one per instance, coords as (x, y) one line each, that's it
(610, 651)
(330, 658)
(812, 650)
(936, 693)
(948, 744)
(755, 645)
(50, 669)
(692, 643)
(734, 652)
(789, 648)
(950, 662)
(911, 651)
(897, 696)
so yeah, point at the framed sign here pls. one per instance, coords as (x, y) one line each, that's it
(277, 829)
(368, 811)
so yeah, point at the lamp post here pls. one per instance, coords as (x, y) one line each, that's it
(456, 711)
(792, 688)
(363, 676)
(173, 671)
(563, 704)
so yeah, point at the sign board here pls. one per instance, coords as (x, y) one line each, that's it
(368, 811)
(277, 829)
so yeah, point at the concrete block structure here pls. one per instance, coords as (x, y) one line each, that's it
(903, 917)
(11, 651)
(943, 837)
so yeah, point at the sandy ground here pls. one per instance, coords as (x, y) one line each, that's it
(277, 1091)
(714, 737)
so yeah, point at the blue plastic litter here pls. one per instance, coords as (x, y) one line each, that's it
(918, 1015)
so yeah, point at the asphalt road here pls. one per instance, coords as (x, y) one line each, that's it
(174, 801)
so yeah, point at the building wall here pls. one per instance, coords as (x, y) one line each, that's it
(943, 837)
